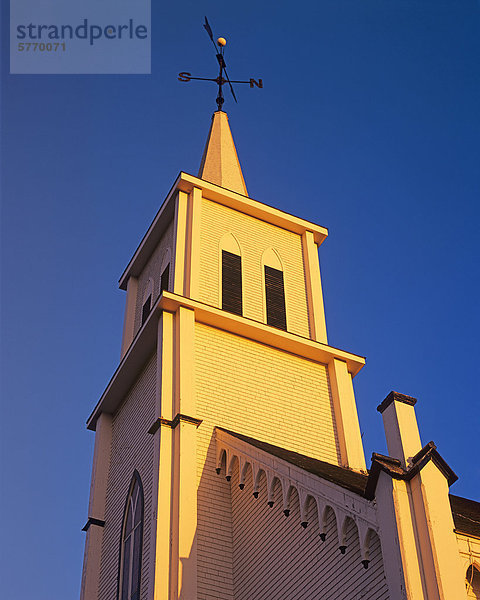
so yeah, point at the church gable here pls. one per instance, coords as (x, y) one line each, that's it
(295, 536)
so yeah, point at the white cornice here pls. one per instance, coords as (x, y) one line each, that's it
(244, 204)
(144, 345)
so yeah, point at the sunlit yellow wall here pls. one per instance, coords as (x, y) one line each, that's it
(261, 392)
(254, 237)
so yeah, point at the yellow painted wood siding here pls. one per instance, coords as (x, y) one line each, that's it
(264, 393)
(254, 237)
(132, 448)
(261, 392)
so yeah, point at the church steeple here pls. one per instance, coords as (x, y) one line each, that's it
(220, 164)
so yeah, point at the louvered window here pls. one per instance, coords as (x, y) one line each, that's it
(165, 278)
(146, 308)
(231, 282)
(275, 298)
(131, 543)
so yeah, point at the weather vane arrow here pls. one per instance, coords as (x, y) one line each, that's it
(223, 77)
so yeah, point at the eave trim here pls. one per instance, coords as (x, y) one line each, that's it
(230, 448)
(252, 207)
(150, 239)
(393, 468)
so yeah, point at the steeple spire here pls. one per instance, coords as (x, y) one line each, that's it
(220, 164)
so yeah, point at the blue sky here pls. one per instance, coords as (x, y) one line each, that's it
(368, 124)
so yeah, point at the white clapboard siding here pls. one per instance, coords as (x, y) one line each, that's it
(132, 448)
(153, 270)
(274, 557)
(251, 388)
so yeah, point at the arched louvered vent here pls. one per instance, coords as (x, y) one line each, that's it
(231, 282)
(275, 298)
(165, 271)
(147, 300)
(165, 279)
(147, 306)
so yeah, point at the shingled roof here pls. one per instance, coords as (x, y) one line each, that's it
(466, 513)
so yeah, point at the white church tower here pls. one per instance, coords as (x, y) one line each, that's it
(228, 459)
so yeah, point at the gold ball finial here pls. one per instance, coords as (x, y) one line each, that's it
(221, 41)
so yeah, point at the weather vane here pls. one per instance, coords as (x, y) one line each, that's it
(223, 75)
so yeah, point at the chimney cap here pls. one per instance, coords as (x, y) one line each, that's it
(396, 396)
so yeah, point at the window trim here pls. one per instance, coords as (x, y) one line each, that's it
(470, 580)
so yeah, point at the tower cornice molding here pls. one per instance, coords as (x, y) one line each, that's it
(144, 343)
(186, 183)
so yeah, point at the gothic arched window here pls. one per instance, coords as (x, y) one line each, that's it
(131, 544)
(472, 581)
